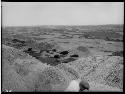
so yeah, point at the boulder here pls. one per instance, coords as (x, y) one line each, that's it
(74, 55)
(56, 56)
(84, 85)
(54, 50)
(64, 52)
(73, 86)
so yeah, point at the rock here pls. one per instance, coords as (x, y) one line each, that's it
(32, 53)
(47, 51)
(84, 85)
(74, 55)
(73, 86)
(118, 53)
(83, 49)
(54, 50)
(94, 87)
(64, 52)
(56, 56)
(68, 60)
(29, 49)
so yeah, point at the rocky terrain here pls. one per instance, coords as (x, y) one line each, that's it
(92, 54)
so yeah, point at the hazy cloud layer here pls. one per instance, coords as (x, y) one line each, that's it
(55, 13)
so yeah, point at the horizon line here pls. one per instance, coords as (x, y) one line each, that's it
(55, 25)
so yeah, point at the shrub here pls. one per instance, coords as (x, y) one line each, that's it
(22, 40)
(56, 56)
(118, 53)
(17, 41)
(54, 50)
(64, 52)
(6, 40)
(82, 49)
(44, 46)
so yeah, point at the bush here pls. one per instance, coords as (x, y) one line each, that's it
(64, 52)
(18, 41)
(82, 49)
(54, 50)
(44, 46)
(118, 53)
(56, 56)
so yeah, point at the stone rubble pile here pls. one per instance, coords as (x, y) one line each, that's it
(98, 68)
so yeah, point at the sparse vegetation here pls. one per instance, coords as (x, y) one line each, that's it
(108, 36)
(35, 43)
(118, 53)
(44, 46)
(49, 61)
(82, 49)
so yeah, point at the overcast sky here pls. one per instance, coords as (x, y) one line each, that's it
(62, 13)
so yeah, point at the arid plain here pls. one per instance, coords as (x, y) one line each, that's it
(93, 53)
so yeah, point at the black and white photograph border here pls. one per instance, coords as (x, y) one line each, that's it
(62, 46)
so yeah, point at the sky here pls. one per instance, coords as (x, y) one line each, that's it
(62, 13)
